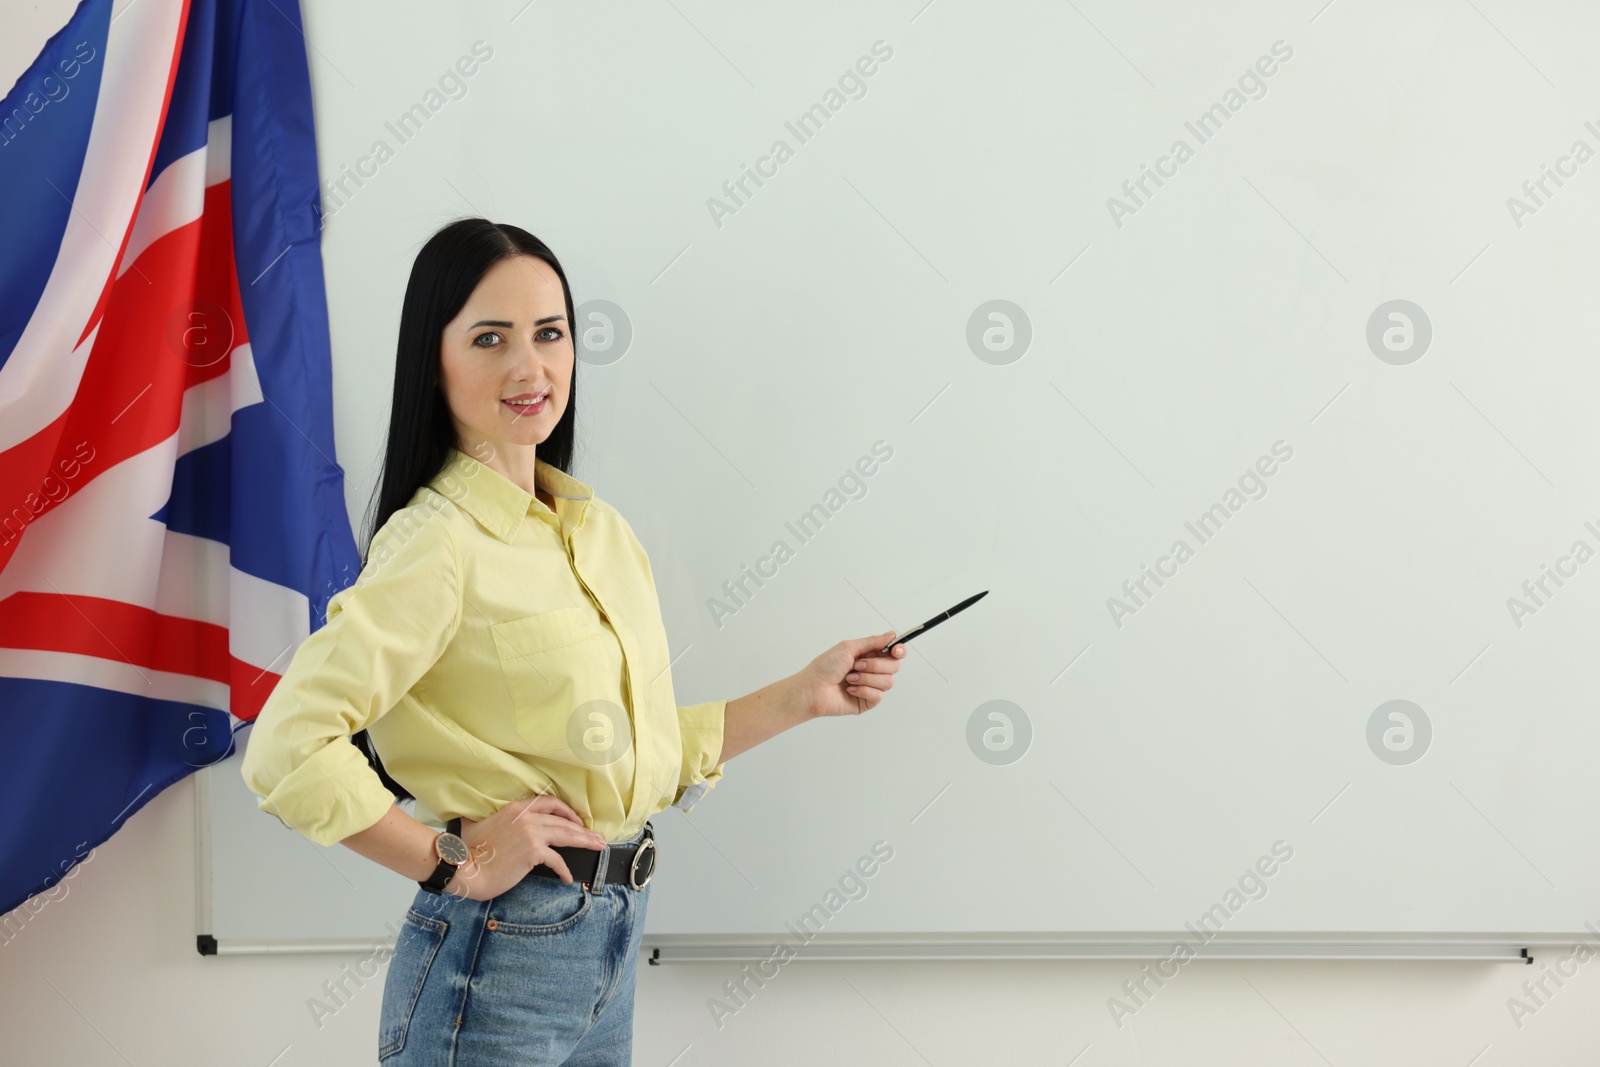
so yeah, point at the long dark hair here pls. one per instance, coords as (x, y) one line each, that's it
(446, 271)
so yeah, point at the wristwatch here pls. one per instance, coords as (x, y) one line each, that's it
(452, 853)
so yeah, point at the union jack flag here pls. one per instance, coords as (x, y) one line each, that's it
(172, 520)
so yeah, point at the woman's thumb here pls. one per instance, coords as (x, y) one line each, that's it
(871, 644)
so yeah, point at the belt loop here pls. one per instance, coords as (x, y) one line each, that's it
(600, 867)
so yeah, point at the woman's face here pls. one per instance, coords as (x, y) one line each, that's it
(510, 341)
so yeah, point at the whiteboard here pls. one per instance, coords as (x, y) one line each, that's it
(1345, 281)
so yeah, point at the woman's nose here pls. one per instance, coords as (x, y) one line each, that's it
(528, 361)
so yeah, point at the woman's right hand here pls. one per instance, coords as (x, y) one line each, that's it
(515, 840)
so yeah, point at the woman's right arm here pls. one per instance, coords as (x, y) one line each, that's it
(381, 636)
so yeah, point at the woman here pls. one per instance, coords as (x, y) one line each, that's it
(503, 647)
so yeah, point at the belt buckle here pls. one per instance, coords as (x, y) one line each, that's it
(649, 842)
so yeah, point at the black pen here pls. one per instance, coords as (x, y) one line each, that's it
(931, 623)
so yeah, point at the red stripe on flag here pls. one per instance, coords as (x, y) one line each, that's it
(127, 633)
(144, 182)
(113, 630)
(131, 395)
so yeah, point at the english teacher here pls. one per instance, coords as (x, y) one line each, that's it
(503, 652)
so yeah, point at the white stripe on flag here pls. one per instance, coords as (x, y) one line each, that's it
(265, 621)
(64, 550)
(178, 195)
(114, 674)
(41, 377)
(208, 407)
(269, 621)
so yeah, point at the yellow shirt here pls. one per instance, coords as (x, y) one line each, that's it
(494, 650)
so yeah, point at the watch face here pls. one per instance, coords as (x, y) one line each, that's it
(452, 849)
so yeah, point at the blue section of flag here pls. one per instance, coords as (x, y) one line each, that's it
(89, 759)
(276, 495)
(194, 101)
(284, 448)
(199, 504)
(41, 158)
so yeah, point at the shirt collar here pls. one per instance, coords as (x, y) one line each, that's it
(495, 500)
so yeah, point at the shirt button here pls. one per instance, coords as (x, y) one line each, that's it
(492, 923)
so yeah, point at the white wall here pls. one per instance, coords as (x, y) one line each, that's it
(109, 974)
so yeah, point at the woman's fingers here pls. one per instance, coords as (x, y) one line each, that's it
(874, 671)
(570, 835)
(553, 860)
(860, 680)
(548, 802)
(553, 818)
(553, 829)
(865, 699)
(881, 664)
(577, 835)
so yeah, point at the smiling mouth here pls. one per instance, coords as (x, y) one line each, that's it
(521, 407)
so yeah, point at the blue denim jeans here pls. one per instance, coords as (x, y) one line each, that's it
(541, 975)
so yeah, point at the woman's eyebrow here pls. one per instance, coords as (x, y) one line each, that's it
(507, 325)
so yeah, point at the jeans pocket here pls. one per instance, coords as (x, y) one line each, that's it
(415, 947)
(539, 906)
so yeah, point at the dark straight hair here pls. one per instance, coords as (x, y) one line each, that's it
(421, 434)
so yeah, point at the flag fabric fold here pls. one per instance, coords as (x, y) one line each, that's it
(172, 518)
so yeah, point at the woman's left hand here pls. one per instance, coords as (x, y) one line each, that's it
(849, 678)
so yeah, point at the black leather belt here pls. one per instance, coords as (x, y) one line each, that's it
(629, 865)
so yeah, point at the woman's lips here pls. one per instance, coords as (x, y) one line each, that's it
(524, 410)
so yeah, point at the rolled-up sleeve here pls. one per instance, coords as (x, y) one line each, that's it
(701, 728)
(382, 634)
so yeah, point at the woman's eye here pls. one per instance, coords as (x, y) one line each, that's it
(479, 340)
(556, 330)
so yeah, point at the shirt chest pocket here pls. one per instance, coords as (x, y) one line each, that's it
(544, 632)
(563, 667)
